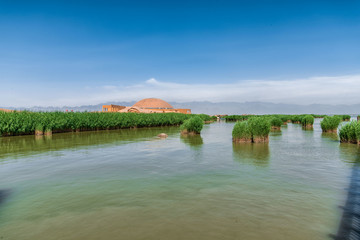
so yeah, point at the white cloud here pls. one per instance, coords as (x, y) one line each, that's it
(323, 90)
(152, 81)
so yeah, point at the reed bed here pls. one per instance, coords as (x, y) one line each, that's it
(24, 123)
(205, 117)
(307, 121)
(285, 118)
(330, 124)
(260, 129)
(241, 132)
(318, 115)
(276, 123)
(235, 118)
(350, 133)
(192, 125)
(254, 130)
(344, 117)
(296, 119)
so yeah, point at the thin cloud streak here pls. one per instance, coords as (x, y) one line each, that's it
(320, 90)
(324, 90)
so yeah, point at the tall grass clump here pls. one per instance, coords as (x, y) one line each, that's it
(254, 130)
(357, 132)
(39, 129)
(192, 125)
(307, 121)
(296, 119)
(285, 119)
(241, 132)
(260, 129)
(344, 117)
(350, 133)
(330, 124)
(234, 118)
(318, 115)
(276, 123)
(205, 117)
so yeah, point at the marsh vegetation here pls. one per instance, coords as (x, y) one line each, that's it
(307, 121)
(254, 130)
(330, 124)
(39, 123)
(350, 133)
(192, 126)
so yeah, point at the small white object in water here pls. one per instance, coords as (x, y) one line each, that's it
(162, 135)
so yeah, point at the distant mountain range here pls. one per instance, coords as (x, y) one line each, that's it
(227, 108)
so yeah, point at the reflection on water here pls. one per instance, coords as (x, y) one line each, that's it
(350, 152)
(275, 132)
(349, 227)
(26, 145)
(4, 194)
(250, 153)
(194, 141)
(329, 135)
(308, 128)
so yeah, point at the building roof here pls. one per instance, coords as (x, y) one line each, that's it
(5, 110)
(153, 103)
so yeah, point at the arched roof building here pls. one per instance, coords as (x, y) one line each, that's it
(148, 105)
(153, 103)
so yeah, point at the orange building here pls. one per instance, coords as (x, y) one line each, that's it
(5, 110)
(112, 108)
(147, 105)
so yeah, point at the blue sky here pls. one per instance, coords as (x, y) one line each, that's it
(61, 52)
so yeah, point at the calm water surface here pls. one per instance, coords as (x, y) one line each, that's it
(128, 184)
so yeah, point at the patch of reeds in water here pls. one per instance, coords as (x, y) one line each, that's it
(254, 130)
(296, 119)
(350, 133)
(330, 124)
(307, 121)
(276, 123)
(192, 125)
(344, 117)
(194, 141)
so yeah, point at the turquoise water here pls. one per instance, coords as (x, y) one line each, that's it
(129, 184)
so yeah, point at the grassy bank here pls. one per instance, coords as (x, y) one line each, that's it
(25, 123)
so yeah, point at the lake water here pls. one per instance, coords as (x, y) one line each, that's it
(129, 184)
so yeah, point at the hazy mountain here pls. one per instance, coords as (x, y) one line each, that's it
(227, 108)
(266, 108)
(83, 108)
